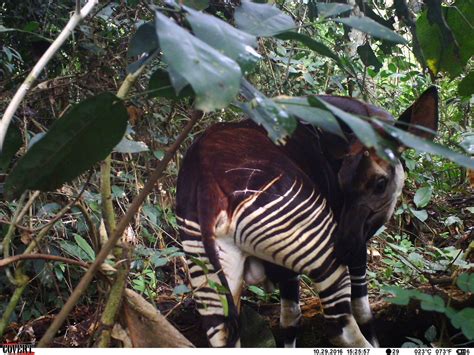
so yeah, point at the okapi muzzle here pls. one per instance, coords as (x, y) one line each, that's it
(250, 210)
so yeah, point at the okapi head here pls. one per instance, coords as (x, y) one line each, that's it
(370, 185)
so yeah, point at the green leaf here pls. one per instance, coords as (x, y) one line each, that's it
(262, 19)
(466, 86)
(31, 26)
(299, 107)
(431, 334)
(422, 215)
(465, 282)
(368, 57)
(221, 289)
(423, 196)
(200, 263)
(225, 305)
(85, 246)
(453, 220)
(400, 296)
(196, 4)
(118, 192)
(277, 122)
(332, 9)
(257, 290)
(439, 54)
(419, 144)
(130, 147)
(74, 250)
(312, 44)
(74, 143)
(152, 212)
(432, 303)
(464, 320)
(143, 41)
(11, 144)
(158, 261)
(214, 77)
(361, 128)
(373, 28)
(159, 154)
(160, 85)
(235, 44)
(181, 290)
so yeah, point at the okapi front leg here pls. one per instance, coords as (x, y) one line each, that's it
(360, 298)
(334, 288)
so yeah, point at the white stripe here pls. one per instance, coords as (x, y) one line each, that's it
(338, 293)
(254, 215)
(316, 242)
(288, 237)
(209, 294)
(241, 207)
(189, 223)
(332, 304)
(281, 218)
(209, 311)
(194, 246)
(189, 231)
(329, 281)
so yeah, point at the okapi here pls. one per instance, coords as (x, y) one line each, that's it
(250, 210)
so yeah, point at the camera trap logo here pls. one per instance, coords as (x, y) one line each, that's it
(17, 349)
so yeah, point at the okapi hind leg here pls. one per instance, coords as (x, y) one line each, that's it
(290, 311)
(214, 293)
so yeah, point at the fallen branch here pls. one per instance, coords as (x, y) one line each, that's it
(148, 327)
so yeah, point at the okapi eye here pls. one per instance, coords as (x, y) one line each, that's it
(380, 185)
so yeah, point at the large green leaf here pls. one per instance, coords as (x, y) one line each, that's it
(214, 77)
(11, 145)
(143, 41)
(422, 145)
(75, 142)
(368, 57)
(371, 27)
(262, 19)
(278, 123)
(230, 41)
(299, 107)
(312, 44)
(332, 9)
(361, 128)
(441, 54)
(196, 4)
(160, 85)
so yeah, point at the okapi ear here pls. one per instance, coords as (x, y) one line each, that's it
(424, 113)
